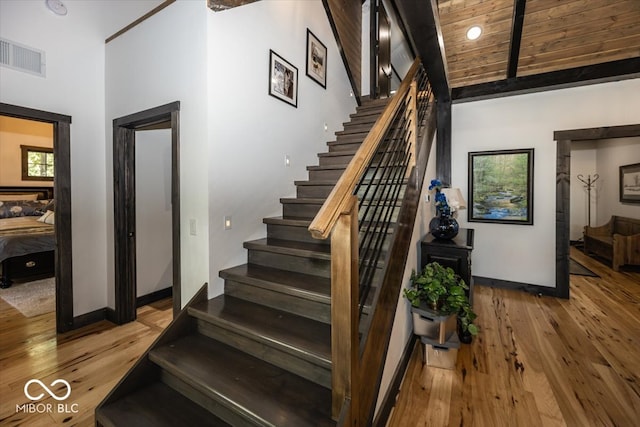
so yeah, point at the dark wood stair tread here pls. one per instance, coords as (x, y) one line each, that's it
(156, 405)
(259, 391)
(290, 247)
(303, 200)
(302, 337)
(278, 220)
(303, 285)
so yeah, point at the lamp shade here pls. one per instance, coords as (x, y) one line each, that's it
(454, 198)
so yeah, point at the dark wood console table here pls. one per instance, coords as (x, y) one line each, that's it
(454, 253)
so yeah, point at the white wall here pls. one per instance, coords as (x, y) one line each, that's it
(154, 255)
(250, 132)
(157, 62)
(611, 154)
(583, 162)
(527, 253)
(74, 85)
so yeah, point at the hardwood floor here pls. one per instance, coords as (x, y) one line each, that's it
(539, 361)
(91, 359)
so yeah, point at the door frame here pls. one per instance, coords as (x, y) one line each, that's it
(124, 204)
(62, 194)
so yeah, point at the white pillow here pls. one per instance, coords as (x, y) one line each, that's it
(18, 197)
(49, 217)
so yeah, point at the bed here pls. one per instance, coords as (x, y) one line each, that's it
(27, 235)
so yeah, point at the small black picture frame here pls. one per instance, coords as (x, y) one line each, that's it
(316, 59)
(630, 183)
(501, 186)
(283, 79)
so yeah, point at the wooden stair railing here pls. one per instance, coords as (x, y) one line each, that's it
(380, 169)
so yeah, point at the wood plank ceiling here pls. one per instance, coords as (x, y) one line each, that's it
(554, 35)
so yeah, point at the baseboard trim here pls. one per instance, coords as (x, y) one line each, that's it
(391, 395)
(154, 296)
(506, 284)
(110, 314)
(89, 318)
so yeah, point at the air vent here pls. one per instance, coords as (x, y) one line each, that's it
(22, 58)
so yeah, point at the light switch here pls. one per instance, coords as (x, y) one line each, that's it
(193, 227)
(227, 222)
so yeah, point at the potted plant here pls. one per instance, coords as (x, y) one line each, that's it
(438, 294)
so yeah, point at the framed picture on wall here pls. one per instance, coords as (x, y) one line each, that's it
(630, 183)
(316, 60)
(283, 79)
(501, 186)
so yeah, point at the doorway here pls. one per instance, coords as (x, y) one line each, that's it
(563, 190)
(62, 191)
(124, 187)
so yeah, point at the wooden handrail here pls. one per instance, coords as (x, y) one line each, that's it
(394, 136)
(339, 198)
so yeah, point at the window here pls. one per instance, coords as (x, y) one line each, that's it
(37, 163)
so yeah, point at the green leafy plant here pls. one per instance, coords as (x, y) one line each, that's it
(441, 289)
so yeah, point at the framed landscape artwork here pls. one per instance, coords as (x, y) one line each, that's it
(316, 60)
(630, 183)
(501, 186)
(283, 79)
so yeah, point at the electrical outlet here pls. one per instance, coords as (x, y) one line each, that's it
(227, 222)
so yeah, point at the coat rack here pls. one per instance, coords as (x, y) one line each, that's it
(589, 184)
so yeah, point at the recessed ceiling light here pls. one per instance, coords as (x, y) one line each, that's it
(56, 6)
(474, 32)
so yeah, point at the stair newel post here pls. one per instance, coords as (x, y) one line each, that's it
(344, 311)
(412, 123)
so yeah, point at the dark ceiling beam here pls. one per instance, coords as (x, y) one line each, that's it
(422, 19)
(221, 5)
(599, 73)
(516, 37)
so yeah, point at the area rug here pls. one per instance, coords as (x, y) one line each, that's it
(32, 298)
(580, 270)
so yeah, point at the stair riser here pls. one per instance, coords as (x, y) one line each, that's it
(300, 210)
(314, 310)
(314, 191)
(352, 137)
(357, 127)
(371, 108)
(319, 375)
(344, 146)
(325, 174)
(219, 407)
(314, 267)
(364, 119)
(342, 159)
(335, 174)
(288, 232)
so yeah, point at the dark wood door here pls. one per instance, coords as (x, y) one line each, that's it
(384, 53)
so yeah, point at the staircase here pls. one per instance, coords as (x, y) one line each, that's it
(259, 355)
